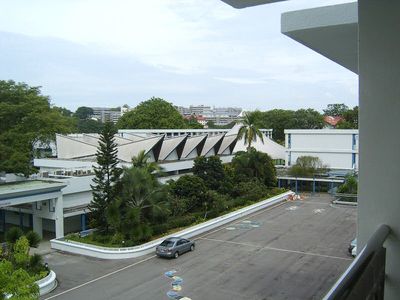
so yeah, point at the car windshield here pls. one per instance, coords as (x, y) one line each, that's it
(167, 244)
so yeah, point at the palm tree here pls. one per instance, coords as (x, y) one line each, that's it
(249, 130)
(141, 162)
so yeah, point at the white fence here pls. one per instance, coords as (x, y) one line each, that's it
(130, 252)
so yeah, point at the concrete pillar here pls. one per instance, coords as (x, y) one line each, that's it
(59, 216)
(379, 143)
(21, 219)
(296, 186)
(37, 225)
(83, 222)
(313, 186)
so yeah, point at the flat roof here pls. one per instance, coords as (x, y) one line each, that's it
(321, 131)
(29, 187)
(248, 3)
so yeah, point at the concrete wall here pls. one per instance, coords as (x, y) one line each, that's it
(379, 77)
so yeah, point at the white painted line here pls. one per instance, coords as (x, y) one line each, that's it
(101, 277)
(276, 249)
(240, 220)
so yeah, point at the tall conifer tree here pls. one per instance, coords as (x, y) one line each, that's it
(105, 184)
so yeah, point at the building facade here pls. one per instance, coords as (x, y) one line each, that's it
(336, 148)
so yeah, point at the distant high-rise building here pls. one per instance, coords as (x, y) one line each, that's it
(107, 114)
(218, 115)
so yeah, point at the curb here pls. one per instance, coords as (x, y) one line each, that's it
(47, 284)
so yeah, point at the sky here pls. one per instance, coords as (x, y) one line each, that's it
(188, 52)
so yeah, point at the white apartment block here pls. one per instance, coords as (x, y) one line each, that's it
(337, 148)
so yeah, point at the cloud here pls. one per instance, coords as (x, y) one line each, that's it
(189, 51)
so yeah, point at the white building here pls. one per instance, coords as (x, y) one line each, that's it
(218, 115)
(336, 148)
(107, 114)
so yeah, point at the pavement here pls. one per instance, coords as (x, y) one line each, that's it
(296, 250)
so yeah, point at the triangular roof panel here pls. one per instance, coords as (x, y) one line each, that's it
(212, 142)
(192, 143)
(170, 145)
(127, 151)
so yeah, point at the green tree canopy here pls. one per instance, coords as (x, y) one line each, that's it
(83, 113)
(350, 119)
(211, 170)
(89, 126)
(276, 119)
(307, 119)
(307, 166)
(191, 189)
(336, 109)
(254, 165)
(153, 113)
(26, 117)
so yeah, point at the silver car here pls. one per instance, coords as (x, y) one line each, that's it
(174, 246)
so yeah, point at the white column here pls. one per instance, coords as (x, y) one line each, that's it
(37, 225)
(379, 169)
(59, 216)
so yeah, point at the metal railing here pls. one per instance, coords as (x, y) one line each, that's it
(365, 277)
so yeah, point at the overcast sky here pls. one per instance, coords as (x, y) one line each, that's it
(110, 53)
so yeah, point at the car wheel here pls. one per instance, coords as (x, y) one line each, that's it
(176, 255)
(192, 248)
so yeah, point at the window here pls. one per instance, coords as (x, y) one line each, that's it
(52, 206)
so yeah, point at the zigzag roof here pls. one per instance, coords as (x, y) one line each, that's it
(68, 147)
(169, 145)
(192, 143)
(212, 142)
(229, 141)
(127, 151)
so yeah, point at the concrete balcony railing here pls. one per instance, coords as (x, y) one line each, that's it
(365, 277)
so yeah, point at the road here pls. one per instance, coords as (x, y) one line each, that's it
(296, 250)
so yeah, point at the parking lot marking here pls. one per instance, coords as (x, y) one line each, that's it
(241, 219)
(101, 277)
(276, 249)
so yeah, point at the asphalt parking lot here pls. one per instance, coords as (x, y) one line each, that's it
(296, 250)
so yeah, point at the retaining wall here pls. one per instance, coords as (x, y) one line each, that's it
(130, 252)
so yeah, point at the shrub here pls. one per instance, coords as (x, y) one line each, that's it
(160, 228)
(13, 234)
(252, 190)
(33, 238)
(117, 239)
(216, 202)
(177, 206)
(36, 263)
(181, 221)
(350, 186)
